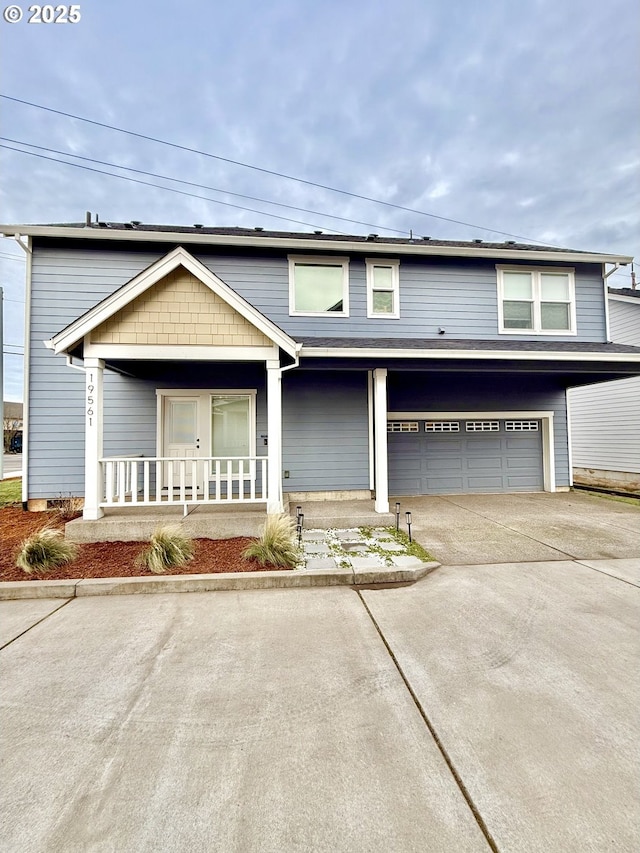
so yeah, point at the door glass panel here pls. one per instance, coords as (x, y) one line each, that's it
(182, 421)
(230, 425)
(554, 315)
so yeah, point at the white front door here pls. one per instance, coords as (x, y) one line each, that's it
(182, 426)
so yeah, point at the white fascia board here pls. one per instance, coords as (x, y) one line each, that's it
(97, 315)
(511, 355)
(300, 243)
(178, 352)
(470, 415)
(631, 300)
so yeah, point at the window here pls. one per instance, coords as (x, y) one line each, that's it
(402, 426)
(442, 426)
(536, 300)
(482, 426)
(383, 288)
(319, 286)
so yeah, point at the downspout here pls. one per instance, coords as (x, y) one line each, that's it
(605, 276)
(280, 371)
(27, 355)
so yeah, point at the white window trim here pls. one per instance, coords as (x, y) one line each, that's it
(395, 287)
(536, 301)
(319, 260)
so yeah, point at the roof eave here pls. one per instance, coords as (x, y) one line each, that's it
(419, 248)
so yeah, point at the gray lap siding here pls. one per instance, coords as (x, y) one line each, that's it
(325, 431)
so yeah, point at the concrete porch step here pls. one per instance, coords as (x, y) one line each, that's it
(341, 514)
(138, 524)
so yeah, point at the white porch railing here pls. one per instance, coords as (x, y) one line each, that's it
(158, 481)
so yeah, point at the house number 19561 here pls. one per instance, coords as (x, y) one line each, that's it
(90, 401)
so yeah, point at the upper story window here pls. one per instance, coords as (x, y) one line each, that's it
(536, 300)
(383, 279)
(318, 286)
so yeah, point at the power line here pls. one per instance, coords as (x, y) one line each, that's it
(264, 170)
(203, 186)
(167, 189)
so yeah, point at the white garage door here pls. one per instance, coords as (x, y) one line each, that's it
(460, 456)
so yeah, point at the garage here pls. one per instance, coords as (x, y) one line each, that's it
(457, 456)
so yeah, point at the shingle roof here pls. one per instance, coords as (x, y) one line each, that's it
(624, 291)
(480, 346)
(306, 235)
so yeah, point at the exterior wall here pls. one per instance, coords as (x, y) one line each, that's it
(457, 294)
(605, 417)
(428, 392)
(325, 431)
(605, 426)
(624, 318)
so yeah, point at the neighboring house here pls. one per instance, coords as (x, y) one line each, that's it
(228, 365)
(12, 426)
(605, 419)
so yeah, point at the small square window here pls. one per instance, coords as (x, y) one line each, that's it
(318, 286)
(383, 288)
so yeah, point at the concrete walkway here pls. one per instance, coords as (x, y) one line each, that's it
(487, 708)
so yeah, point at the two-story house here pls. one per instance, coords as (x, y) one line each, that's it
(194, 365)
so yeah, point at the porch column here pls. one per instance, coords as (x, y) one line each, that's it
(274, 432)
(93, 444)
(380, 439)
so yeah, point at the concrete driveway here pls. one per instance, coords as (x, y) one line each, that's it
(465, 529)
(486, 708)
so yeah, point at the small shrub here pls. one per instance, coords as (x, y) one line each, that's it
(167, 548)
(67, 506)
(45, 550)
(276, 545)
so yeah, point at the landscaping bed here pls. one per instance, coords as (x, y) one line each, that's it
(111, 559)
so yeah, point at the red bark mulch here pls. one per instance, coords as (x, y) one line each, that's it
(111, 559)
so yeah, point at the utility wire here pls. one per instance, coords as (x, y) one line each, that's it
(167, 189)
(202, 186)
(263, 170)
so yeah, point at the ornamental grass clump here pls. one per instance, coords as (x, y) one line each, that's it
(44, 551)
(167, 549)
(276, 546)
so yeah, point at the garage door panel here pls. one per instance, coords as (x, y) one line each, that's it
(455, 463)
(443, 485)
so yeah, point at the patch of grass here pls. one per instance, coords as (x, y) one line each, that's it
(276, 544)
(624, 500)
(10, 492)
(366, 532)
(45, 550)
(167, 548)
(412, 548)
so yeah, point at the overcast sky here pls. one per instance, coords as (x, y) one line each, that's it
(516, 116)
